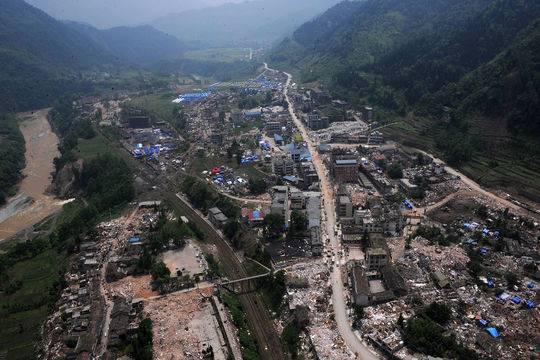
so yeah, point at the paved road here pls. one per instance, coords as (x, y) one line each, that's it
(245, 200)
(338, 291)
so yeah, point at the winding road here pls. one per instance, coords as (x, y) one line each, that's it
(338, 291)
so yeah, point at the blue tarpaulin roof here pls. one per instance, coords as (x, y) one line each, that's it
(516, 300)
(290, 178)
(531, 304)
(493, 332)
(134, 240)
(483, 322)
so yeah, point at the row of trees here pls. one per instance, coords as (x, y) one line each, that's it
(426, 334)
(204, 197)
(12, 148)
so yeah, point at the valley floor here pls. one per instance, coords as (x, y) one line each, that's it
(32, 204)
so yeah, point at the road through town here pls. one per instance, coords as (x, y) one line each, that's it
(338, 293)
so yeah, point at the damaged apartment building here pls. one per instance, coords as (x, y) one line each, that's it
(376, 280)
(286, 199)
(376, 219)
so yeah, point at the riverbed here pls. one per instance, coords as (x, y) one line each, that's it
(32, 204)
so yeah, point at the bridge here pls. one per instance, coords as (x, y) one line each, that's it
(245, 285)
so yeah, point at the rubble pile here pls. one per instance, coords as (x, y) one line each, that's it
(132, 287)
(177, 333)
(314, 293)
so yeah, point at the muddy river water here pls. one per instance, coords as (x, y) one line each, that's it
(32, 203)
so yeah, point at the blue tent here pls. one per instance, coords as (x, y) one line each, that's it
(530, 304)
(134, 240)
(516, 300)
(493, 332)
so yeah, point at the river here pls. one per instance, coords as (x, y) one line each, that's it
(32, 204)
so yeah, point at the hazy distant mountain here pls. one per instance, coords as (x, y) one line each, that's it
(111, 13)
(141, 45)
(247, 23)
(42, 58)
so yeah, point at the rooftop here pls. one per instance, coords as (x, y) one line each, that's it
(347, 162)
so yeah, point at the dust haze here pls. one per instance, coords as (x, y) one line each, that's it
(107, 13)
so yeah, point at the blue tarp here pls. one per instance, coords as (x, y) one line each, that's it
(408, 204)
(493, 332)
(483, 322)
(290, 178)
(192, 97)
(531, 304)
(516, 300)
(530, 285)
(134, 240)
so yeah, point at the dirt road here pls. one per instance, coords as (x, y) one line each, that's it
(475, 187)
(32, 204)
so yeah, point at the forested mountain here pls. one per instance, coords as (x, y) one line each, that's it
(249, 23)
(421, 54)
(462, 77)
(142, 45)
(43, 58)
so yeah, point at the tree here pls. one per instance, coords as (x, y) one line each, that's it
(440, 313)
(233, 149)
(239, 155)
(291, 338)
(358, 312)
(141, 344)
(257, 186)
(231, 229)
(274, 224)
(145, 261)
(395, 171)
(160, 272)
(511, 279)
(298, 222)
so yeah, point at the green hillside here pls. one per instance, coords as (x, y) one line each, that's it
(462, 77)
(139, 45)
(43, 58)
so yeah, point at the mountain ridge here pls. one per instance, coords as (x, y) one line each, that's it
(248, 23)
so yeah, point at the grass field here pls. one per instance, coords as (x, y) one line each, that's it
(20, 329)
(158, 105)
(218, 55)
(89, 149)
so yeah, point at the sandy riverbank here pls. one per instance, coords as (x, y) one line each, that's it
(32, 204)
